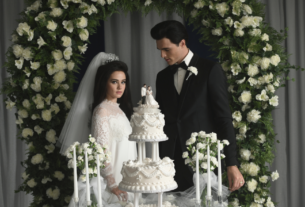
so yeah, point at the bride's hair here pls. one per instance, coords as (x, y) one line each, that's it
(100, 86)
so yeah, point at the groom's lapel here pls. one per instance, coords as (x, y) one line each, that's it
(187, 83)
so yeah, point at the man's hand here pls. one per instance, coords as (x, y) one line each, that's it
(122, 195)
(236, 179)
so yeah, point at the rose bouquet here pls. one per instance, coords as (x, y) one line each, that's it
(93, 149)
(200, 141)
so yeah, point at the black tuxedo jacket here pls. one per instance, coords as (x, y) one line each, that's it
(201, 106)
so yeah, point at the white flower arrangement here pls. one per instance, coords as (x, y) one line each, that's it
(193, 70)
(93, 149)
(200, 141)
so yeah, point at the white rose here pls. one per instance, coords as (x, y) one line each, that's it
(56, 12)
(38, 129)
(245, 97)
(40, 17)
(27, 54)
(225, 142)
(274, 101)
(27, 132)
(23, 28)
(265, 37)
(59, 175)
(252, 81)
(40, 42)
(147, 2)
(252, 70)
(55, 108)
(235, 68)
(50, 148)
(65, 86)
(275, 60)
(66, 41)
(268, 47)
(270, 88)
(222, 8)
(252, 184)
(229, 21)
(26, 103)
(52, 3)
(46, 115)
(57, 55)
(52, 25)
(264, 63)
(35, 65)
(262, 138)
(17, 50)
(67, 104)
(263, 179)
(59, 65)
(82, 22)
(268, 78)
(255, 32)
(275, 175)
(217, 31)
(54, 194)
(59, 77)
(24, 176)
(194, 13)
(245, 154)
(68, 25)
(70, 65)
(277, 82)
(246, 9)
(253, 169)
(68, 53)
(199, 4)
(269, 203)
(26, 84)
(237, 116)
(19, 63)
(84, 34)
(45, 180)
(36, 159)
(257, 21)
(253, 116)
(83, 48)
(239, 33)
(23, 113)
(35, 116)
(204, 165)
(50, 136)
(213, 137)
(235, 203)
(31, 183)
(65, 3)
(101, 2)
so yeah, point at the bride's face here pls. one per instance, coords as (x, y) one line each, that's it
(116, 85)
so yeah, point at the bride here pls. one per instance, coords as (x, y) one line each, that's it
(150, 98)
(111, 110)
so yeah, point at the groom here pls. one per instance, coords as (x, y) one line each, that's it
(192, 103)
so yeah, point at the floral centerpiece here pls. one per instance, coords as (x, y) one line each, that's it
(201, 141)
(93, 148)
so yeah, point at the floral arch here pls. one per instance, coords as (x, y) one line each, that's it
(46, 51)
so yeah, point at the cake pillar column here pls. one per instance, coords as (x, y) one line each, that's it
(140, 152)
(143, 150)
(154, 151)
(157, 153)
(136, 200)
(160, 199)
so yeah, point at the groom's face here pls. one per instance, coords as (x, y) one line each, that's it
(171, 52)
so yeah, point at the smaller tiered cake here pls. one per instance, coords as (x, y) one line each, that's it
(147, 124)
(148, 176)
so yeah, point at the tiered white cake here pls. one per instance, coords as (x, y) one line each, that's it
(148, 175)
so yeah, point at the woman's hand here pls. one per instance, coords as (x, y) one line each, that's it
(122, 195)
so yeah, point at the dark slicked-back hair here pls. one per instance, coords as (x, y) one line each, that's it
(173, 30)
(100, 87)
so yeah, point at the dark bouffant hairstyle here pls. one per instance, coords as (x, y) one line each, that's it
(100, 86)
(173, 30)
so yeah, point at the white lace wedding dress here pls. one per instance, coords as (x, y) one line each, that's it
(111, 127)
(150, 100)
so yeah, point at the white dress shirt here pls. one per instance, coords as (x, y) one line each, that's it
(143, 91)
(180, 74)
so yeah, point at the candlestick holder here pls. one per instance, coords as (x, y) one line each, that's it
(88, 203)
(208, 201)
(198, 203)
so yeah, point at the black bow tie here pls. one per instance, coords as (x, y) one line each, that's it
(181, 65)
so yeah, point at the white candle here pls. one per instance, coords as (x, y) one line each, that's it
(87, 179)
(75, 176)
(99, 189)
(209, 174)
(197, 178)
(219, 171)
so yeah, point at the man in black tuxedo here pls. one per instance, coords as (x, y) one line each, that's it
(192, 103)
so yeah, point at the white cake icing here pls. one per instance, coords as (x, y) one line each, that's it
(164, 204)
(147, 124)
(149, 176)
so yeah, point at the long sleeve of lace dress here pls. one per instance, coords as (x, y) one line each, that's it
(101, 133)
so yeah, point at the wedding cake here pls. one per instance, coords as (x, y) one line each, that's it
(148, 175)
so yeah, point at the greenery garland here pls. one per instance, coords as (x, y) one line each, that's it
(46, 52)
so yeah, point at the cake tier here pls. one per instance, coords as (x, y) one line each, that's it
(149, 176)
(147, 124)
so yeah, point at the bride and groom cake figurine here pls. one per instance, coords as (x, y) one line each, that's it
(147, 96)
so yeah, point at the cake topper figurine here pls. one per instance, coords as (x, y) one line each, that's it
(143, 94)
(150, 100)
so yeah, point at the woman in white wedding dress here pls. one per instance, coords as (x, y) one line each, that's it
(112, 107)
(150, 100)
